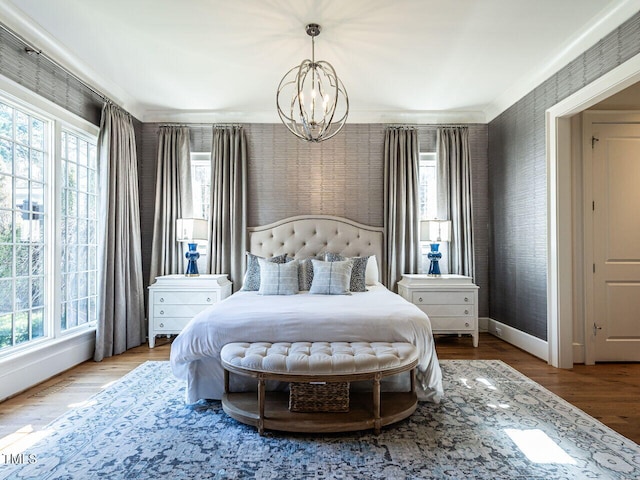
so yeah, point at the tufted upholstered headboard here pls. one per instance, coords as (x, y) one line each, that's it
(307, 235)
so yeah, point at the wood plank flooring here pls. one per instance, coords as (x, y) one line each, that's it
(608, 392)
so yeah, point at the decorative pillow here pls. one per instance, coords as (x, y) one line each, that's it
(372, 276)
(305, 272)
(357, 283)
(251, 281)
(331, 278)
(278, 278)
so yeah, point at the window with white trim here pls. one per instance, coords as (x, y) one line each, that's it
(79, 221)
(201, 183)
(428, 195)
(48, 224)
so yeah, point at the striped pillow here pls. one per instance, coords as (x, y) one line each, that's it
(278, 278)
(358, 274)
(331, 278)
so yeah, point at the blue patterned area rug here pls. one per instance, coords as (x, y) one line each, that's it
(494, 424)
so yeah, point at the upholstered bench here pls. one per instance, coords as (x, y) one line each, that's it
(305, 364)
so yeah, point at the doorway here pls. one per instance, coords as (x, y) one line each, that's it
(560, 282)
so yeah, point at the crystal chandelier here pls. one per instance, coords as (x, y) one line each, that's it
(311, 100)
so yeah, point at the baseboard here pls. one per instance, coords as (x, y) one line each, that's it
(528, 343)
(23, 371)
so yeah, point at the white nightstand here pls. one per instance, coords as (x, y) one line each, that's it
(450, 301)
(175, 299)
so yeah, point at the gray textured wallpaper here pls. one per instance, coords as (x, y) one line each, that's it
(342, 176)
(41, 76)
(518, 184)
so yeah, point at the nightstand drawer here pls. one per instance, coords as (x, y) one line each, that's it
(452, 324)
(165, 311)
(170, 324)
(185, 298)
(442, 297)
(448, 310)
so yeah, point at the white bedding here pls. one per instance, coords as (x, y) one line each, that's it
(376, 315)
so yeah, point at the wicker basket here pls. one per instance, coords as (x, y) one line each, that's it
(319, 397)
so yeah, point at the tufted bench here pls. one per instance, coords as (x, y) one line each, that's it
(319, 362)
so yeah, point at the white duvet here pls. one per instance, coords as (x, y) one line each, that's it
(376, 315)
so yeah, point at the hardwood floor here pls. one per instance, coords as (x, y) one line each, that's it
(608, 392)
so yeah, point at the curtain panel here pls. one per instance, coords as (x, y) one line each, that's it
(228, 208)
(173, 200)
(401, 203)
(121, 322)
(454, 196)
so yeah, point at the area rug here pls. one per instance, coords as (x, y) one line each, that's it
(494, 423)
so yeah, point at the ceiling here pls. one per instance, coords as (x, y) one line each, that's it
(413, 61)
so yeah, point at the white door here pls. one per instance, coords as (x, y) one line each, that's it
(616, 242)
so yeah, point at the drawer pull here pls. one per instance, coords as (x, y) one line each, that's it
(208, 300)
(466, 312)
(466, 324)
(162, 325)
(161, 299)
(161, 312)
(466, 299)
(420, 299)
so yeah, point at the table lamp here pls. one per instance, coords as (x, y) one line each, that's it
(435, 231)
(191, 230)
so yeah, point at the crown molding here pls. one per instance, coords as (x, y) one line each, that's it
(355, 116)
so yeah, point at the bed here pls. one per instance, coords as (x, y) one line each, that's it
(374, 315)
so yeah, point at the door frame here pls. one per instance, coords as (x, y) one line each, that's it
(560, 241)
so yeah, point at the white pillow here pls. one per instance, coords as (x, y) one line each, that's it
(371, 276)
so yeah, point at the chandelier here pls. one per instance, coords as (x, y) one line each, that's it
(311, 100)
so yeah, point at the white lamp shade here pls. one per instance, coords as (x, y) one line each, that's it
(189, 229)
(435, 230)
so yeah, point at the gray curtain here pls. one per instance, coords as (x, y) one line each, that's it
(173, 200)
(121, 322)
(401, 203)
(454, 196)
(228, 209)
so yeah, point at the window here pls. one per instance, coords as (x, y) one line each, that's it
(428, 192)
(201, 183)
(79, 220)
(44, 197)
(23, 150)
(428, 186)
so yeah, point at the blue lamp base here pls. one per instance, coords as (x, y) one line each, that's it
(192, 255)
(434, 255)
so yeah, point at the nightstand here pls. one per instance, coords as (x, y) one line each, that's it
(450, 301)
(175, 299)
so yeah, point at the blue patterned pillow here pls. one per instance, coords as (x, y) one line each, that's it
(358, 274)
(251, 281)
(305, 272)
(278, 278)
(331, 278)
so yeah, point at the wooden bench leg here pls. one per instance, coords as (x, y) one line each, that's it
(261, 389)
(376, 403)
